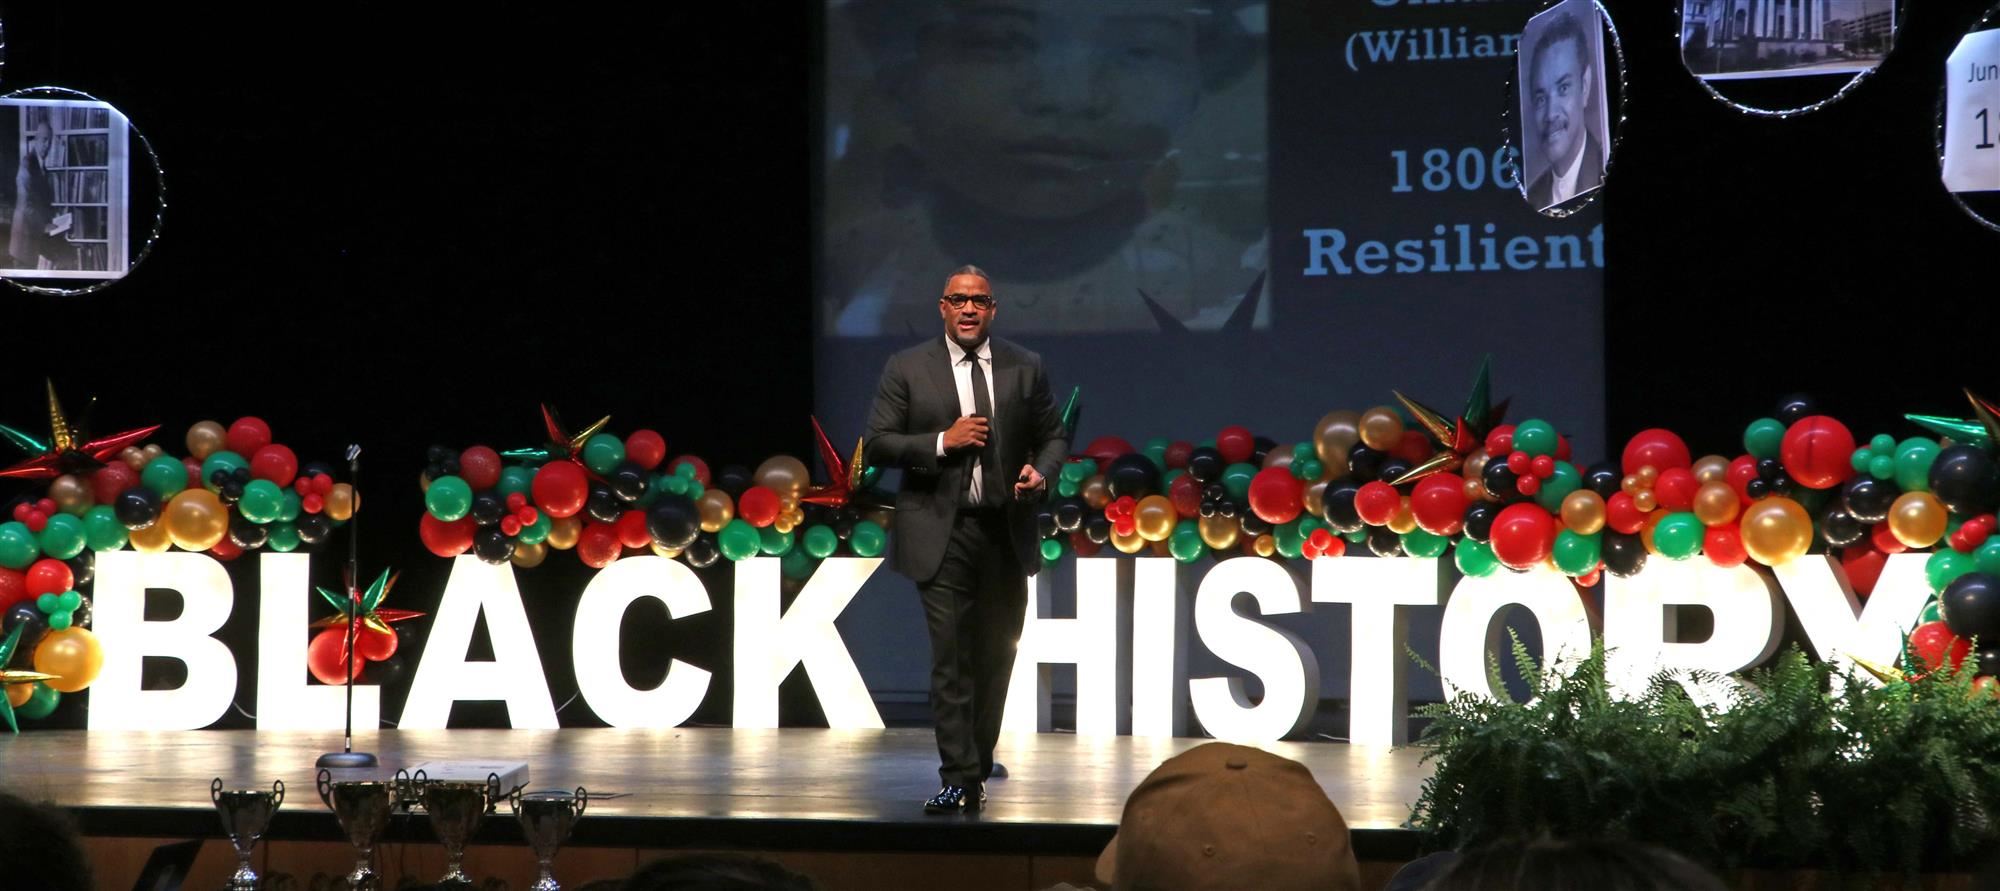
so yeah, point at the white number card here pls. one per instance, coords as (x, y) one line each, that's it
(1971, 100)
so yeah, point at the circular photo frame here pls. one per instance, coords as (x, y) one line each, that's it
(1779, 58)
(1563, 117)
(73, 218)
(1968, 136)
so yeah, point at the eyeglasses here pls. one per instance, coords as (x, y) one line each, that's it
(958, 301)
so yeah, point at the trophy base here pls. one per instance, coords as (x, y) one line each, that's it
(339, 760)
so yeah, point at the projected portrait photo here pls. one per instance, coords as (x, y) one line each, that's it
(1565, 118)
(64, 209)
(1082, 153)
(1741, 39)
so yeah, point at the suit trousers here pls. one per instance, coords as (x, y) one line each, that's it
(974, 608)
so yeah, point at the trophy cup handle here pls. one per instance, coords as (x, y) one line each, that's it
(277, 793)
(582, 800)
(492, 792)
(325, 783)
(215, 791)
(514, 800)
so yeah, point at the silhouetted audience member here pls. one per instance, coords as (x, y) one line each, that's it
(716, 872)
(1549, 865)
(1417, 874)
(39, 848)
(1223, 816)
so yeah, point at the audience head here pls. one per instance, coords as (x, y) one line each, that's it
(1222, 816)
(716, 872)
(40, 847)
(1592, 865)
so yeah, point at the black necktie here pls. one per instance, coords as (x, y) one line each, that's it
(982, 466)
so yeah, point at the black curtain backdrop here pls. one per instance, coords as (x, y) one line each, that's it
(401, 228)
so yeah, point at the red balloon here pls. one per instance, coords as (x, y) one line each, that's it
(1236, 443)
(1562, 454)
(1864, 566)
(479, 466)
(1818, 452)
(1884, 539)
(598, 545)
(276, 463)
(1083, 545)
(195, 479)
(632, 529)
(1377, 503)
(758, 506)
(1438, 502)
(1675, 488)
(372, 645)
(13, 588)
(1741, 472)
(700, 467)
(1656, 448)
(1622, 515)
(646, 448)
(248, 435)
(1523, 534)
(1106, 449)
(1521, 463)
(1186, 495)
(446, 539)
(1591, 578)
(1178, 452)
(1933, 643)
(49, 576)
(1323, 543)
(226, 550)
(1500, 441)
(1724, 545)
(113, 480)
(1414, 447)
(1275, 495)
(560, 488)
(323, 657)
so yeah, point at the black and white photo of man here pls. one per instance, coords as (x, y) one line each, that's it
(1563, 109)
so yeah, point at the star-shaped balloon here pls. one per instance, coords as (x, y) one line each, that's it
(369, 602)
(843, 477)
(1982, 430)
(67, 450)
(560, 444)
(1455, 439)
(10, 678)
(1072, 414)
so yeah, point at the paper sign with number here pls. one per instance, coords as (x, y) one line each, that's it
(1971, 104)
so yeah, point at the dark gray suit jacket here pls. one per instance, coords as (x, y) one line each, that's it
(917, 400)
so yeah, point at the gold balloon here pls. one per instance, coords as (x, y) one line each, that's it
(71, 495)
(133, 456)
(564, 531)
(341, 502)
(880, 516)
(1160, 549)
(1645, 500)
(1646, 528)
(1095, 491)
(1474, 467)
(1155, 516)
(1648, 475)
(669, 553)
(529, 556)
(1777, 530)
(1127, 544)
(73, 654)
(206, 438)
(1917, 519)
(195, 519)
(1315, 498)
(783, 474)
(784, 524)
(1583, 512)
(1711, 468)
(1381, 428)
(1336, 434)
(1404, 519)
(1219, 532)
(1715, 503)
(1265, 545)
(1280, 455)
(152, 539)
(1630, 485)
(19, 694)
(154, 450)
(1476, 491)
(715, 508)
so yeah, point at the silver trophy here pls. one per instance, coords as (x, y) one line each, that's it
(454, 809)
(363, 809)
(246, 814)
(546, 819)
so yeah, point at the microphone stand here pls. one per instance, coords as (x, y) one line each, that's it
(347, 757)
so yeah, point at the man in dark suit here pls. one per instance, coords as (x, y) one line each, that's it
(1562, 95)
(970, 420)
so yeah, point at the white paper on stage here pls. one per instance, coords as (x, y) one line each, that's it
(1971, 102)
(117, 701)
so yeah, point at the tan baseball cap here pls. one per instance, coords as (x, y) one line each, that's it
(1222, 816)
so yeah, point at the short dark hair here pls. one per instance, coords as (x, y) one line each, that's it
(40, 847)
(1563, 27)
(716, 872)
(969, 269)
(1574, 865)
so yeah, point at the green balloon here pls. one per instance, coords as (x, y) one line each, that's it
(165, 475)
(1291, 543)
(1156, 452)
(1309, 469)
(1558, 486)
(18, 546)
(1066, 488)
(1304, 451)
(1536, 437)
(1764, 438)
(1913, 463)
(284, 537)
(449, 498)
(1052, 549)
(1186, 544)
(59, 620)
(1944, 567)
(516, 478)
(797, 564)
(820, 542)
(40, 703)
(224, 460)
(684, 469)
(774, 543)
(69, 601)
(867, 539)
(101, 529)
(263, 499)
(603, 453)
(693, 489)
(1578, 554)
(538, 531)
(63, 537)
(1475, 558)
(1307, 523)
(1861, 459)
(738, 540)
(1679, 535)
(1987, 556)
(1882, 466)
(1418, 543)
(1358, 536)
(1933, 611)
(1236, 479)
(1072, 473)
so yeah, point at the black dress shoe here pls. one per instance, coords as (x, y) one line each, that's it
(954, 800)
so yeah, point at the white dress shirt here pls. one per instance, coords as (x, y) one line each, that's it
(1563, 187)
(961, 373)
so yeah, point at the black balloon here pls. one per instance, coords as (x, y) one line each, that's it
(1207, 509)
(247, 535)
(1966, 479)
(603, 506)
(1097, 528)
(137, 507)
(1972, 606)
(733, 478)
(389, 673)
(1392, 469)
(1840, 528)
(313, 528)
(1339, 506)
(1868, 498)
(1989, 660)
(80, 617)
(1384, 542)
(82, 568)
(230, 492)
(674, 521)
(1795, 408)
(702, 552)
(1260, 448)
(1205, 464)
(1045, 522)
(1756, 489)
(1069, 515)
(1227, 508)
(1768, 468)
(1132, 475)
(1254, 525)
(1479, 517)
(492, 545)
(33, 624)
(312, 469)
(1214, 492)
(1499, 480)
(1364, 463)
(1603, 478)
(843, 523)
(628, 482)
(1623, 554)
(488, 508)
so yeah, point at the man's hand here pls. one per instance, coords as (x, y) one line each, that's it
(1029, 482)
(966, 432)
